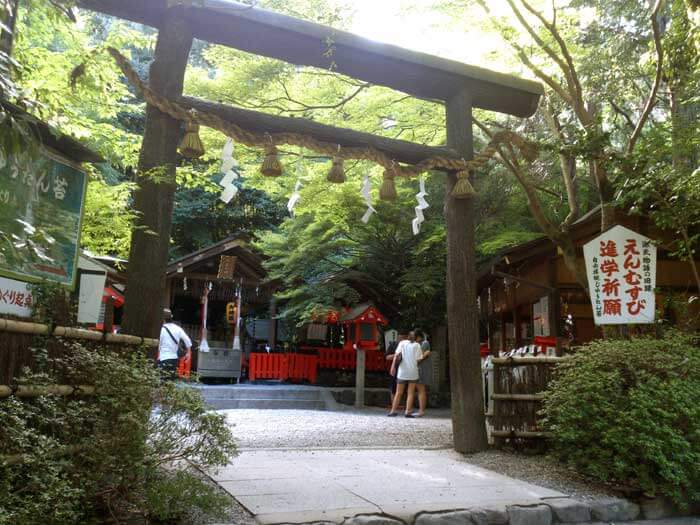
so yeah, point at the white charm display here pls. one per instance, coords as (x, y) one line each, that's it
(229, 169)
(422, 205)
(366, 195)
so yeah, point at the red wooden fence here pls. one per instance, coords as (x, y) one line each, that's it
(341, 359)
(297, 367)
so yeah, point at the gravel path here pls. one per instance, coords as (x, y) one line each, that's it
(343, 429)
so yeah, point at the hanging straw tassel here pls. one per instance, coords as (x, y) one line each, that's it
(337, 171)
(271, 166)
(463, 188)
(191, 145)
(387, 191)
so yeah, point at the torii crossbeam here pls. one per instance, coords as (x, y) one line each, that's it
(460, 87)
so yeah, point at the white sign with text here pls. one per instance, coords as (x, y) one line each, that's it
(15, 298)
(621, 270)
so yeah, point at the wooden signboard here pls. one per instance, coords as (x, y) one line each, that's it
(227, 265)
(41, 204)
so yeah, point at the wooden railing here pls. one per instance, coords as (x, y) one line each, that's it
(515, 396)
(283, 367)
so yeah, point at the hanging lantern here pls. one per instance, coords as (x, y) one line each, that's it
(463, 188)
(337, 171)
(271, 166)
(191, 145)
(387, 191)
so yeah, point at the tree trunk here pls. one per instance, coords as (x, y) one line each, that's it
(153, 200)
(573, 263)
(468, 420)
(8, 17)
(607, 196)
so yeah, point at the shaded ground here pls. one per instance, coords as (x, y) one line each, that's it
(540, 470)
(370, 428)
(299, 486)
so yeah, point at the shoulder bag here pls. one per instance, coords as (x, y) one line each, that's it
(181, 347)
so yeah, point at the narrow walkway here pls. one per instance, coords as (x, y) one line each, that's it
(294, 486)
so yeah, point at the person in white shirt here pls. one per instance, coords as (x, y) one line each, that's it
(406, 373)
(170, 336)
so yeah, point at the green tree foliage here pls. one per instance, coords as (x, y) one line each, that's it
(616, 75)
(612, 53)
(628, 412)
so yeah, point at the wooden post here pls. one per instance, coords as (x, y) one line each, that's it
(153, 200)
(517, 320)
(468, 421)
(360, 378)
(8, 16)
(108, 324)
(272, 332)
(554, 305)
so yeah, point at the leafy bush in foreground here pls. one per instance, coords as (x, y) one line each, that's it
(130, 451)
(628, 412)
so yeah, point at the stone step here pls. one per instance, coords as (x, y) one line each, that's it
(260, 393)
(266, 404)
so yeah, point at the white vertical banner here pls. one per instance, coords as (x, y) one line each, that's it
(92, 286)
(621, 270)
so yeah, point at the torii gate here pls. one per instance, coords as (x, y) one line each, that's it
(460, 87)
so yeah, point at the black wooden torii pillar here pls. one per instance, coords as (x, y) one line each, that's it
(459, 86)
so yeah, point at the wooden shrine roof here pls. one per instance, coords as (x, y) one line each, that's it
(363, 312)
(204, 263)
(300, 42)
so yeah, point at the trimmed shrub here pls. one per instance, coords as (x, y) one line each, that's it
(628, 412)
(131, 451)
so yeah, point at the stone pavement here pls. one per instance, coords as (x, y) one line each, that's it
(297, 486)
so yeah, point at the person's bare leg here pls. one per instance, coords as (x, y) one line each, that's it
(409, 397)
(397, 397)
(422, 399)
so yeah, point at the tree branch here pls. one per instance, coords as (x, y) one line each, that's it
(651, 100)
(533, 34)
(307, 107)
(568, 168)
(553, 84)
(622, 112)
(552, 28)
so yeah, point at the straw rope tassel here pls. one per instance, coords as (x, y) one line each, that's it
(463, 189)
(337, 171)
(387, 191)
(191, 145)
(271, 166)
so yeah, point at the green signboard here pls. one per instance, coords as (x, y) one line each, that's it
(41, 203)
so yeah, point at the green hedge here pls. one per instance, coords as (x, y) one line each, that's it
(125, 453)
(628, 412)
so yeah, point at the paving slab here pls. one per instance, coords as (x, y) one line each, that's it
(279, 486)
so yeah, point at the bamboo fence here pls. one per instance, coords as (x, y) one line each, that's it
(519, 383)
(29, 328)
(18, 337)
